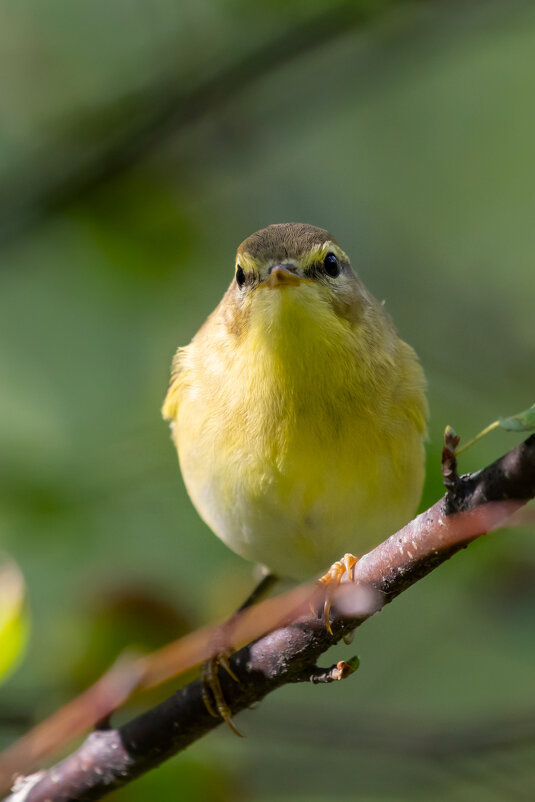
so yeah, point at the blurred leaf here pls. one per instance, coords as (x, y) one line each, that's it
(522, 422)
(14, 619)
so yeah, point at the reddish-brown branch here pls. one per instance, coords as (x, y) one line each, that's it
(475, 504)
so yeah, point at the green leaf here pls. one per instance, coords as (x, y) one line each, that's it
(354, 662)
(523, 422)
(14, 619)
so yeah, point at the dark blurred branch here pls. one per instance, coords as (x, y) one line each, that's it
(170, 106)
(475, 504)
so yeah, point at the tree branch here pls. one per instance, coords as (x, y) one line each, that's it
(108, 759)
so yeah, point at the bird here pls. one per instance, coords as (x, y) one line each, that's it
(298, 413)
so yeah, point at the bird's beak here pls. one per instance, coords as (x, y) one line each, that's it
(282, 276)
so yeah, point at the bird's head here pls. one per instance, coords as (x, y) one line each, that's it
(294, 268)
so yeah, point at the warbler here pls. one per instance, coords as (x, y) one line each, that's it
(297, 411)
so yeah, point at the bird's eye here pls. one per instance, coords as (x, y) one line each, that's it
(240, 276)
(331, 265)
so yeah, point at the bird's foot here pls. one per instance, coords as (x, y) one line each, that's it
(211, 690)
(222, 649)
(332, 579)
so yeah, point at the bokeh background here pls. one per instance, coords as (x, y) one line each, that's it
(139, 144)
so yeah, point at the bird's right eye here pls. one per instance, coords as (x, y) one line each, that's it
(240, 276)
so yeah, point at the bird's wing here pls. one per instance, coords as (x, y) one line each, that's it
(172, 399)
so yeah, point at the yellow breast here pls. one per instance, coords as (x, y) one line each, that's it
(300, 434)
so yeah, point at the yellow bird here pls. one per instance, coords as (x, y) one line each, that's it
(297, 412)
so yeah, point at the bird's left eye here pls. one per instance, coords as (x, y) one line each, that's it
(331, 265)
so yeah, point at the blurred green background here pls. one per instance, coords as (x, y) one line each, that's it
(139, 144)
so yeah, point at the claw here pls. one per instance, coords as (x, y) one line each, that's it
(224, 662)
(212, 692)
(332, 578)
(348, 637)
(207, 699)
(233, 727)
(326, 615)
